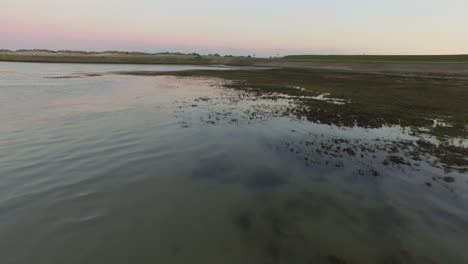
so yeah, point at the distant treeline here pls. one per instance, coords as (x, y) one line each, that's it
(109, 52)
(122, 57)
(96, 52)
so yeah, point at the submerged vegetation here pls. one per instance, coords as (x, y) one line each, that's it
(348, 99)
(369, 100)
(375, 172)
(431, 106)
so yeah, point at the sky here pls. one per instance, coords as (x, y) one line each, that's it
(238, 27)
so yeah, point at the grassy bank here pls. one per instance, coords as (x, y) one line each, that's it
(378, 58)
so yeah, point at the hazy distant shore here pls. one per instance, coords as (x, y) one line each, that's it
(428, 64)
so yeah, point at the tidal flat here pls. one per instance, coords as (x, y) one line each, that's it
(178, 164)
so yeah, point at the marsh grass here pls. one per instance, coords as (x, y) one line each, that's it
(372, 100)
(378, 58)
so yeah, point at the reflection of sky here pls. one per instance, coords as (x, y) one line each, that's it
(260, 26)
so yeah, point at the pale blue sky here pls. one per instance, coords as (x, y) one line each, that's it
(255, 26)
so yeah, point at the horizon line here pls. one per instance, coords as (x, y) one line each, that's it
(213, 54)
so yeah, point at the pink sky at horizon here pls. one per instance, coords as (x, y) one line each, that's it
(41, 31)
(23, 29)
(268, 28)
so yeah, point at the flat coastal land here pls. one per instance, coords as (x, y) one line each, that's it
(446, 66)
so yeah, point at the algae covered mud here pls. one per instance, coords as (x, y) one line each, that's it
(123, 164)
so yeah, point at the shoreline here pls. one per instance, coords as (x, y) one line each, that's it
(436, 65)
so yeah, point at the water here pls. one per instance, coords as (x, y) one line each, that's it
(125, 169)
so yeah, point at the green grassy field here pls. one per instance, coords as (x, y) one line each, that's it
(378, 58)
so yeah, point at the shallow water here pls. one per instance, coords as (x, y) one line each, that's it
(125, 169)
